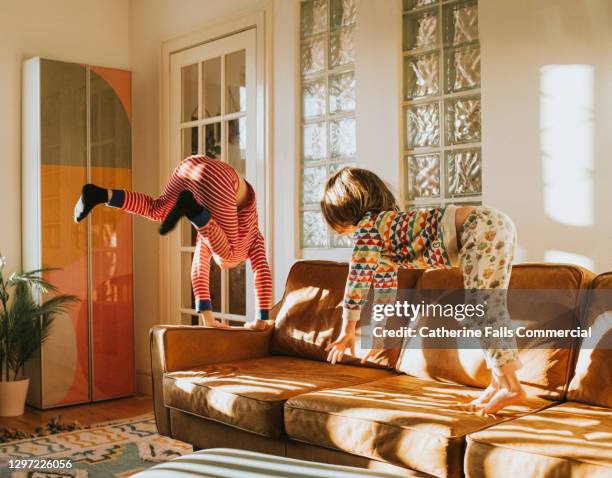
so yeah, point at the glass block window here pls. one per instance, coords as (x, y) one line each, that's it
(441, 106)
(328, 129)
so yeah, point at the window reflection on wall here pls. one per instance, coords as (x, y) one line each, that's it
(567, 142)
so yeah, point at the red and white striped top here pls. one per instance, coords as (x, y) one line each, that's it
(231, 235)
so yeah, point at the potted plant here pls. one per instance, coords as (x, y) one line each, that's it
(25, 323)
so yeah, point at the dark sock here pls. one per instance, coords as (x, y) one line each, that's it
(186, 205)
(91, 196)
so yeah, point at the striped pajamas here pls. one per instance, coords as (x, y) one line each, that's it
(227, 234)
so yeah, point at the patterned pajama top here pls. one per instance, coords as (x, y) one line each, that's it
(420, 238)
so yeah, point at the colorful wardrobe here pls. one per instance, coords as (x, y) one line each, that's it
(77, 129)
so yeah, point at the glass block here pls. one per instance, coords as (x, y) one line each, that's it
(212, 140)
(342, 47)
(237, 144)
(189, 92)
(190, 142)
(313, 17)
(412, 4)
(423, 175)
(314, 142)
(314, 229)
(421, 75)
(463, 172)
(422, 125)
(462, 68)
(313, 99)
(313, 55)
(342, 92)
(211, 86)
(235, 82)
(463, 120)
(343, 138)
(335, 167)
(313, 180)
(460, 23)
(343, 12)
(338, 240)
(237, 290)
(421, 30)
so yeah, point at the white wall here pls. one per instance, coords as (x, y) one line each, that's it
(547, 124)
(93, 32)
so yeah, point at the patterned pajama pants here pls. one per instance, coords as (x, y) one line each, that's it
(488, 240)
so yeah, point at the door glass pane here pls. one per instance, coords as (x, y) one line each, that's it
(237, 290)
(211, 85)
(188, 233)
(236, 144)
(188, 300)
(190, 142)
(189, 92)
(188, 319)
(235, 80)
(212, 140)
(215, 286)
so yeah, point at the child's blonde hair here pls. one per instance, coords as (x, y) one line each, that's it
(351, 193)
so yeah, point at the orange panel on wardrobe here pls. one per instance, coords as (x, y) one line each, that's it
(111, 234)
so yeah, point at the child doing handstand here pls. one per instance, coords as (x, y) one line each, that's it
(480, 240)
(221, 206)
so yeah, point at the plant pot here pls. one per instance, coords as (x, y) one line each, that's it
(13, 397)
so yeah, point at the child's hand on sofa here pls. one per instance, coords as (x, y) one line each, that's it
(346, 340)
(258, 324)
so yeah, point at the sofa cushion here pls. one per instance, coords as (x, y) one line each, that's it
(572, 439)
(547, 362)
(308, 317)
(249, 394)
(592, 382)
(403, 420)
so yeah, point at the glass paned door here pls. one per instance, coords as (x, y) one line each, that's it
(213, 112)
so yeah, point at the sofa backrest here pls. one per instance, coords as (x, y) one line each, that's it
(308, 317)
(592, 381)
(545, 371)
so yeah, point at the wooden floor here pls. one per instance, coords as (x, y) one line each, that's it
(88, 414)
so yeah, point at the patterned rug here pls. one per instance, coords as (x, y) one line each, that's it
(117, 449)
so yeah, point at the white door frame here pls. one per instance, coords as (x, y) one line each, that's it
(260, 19)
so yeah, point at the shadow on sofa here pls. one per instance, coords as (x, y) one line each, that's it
(273, 392)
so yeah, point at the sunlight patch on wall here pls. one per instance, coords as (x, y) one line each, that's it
(569, 258)
(567, 139)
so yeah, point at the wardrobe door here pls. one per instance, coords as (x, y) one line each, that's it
(63, 159)
(111, 236)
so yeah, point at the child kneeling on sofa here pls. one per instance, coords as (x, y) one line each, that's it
(480, 240)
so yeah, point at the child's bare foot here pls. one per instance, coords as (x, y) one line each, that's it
(484, 398)
(510, 392)
(504, 398)
(257, 325)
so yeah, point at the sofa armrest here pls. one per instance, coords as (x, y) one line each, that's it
(176, 347)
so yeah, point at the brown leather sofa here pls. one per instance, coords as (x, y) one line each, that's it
(273, 392)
